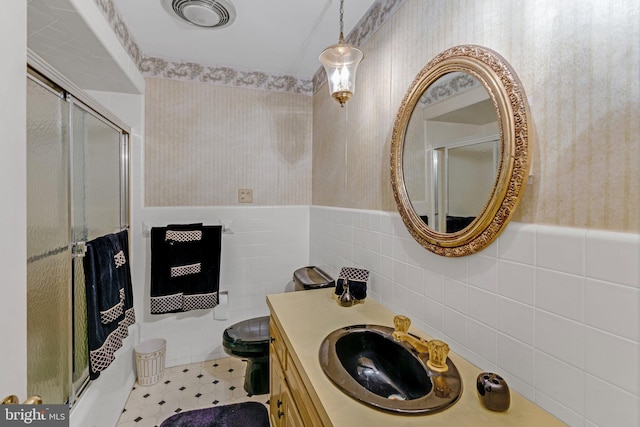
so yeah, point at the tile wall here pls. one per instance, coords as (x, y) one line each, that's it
(555, 310)
(260, 252)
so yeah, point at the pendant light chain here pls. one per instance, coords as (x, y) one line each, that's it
(341, 21)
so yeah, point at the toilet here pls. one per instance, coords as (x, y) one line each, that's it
(250, 338)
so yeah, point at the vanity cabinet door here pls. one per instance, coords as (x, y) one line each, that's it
(282, 408)
(276, 379)
(289, 398)
(276, 398)
(292, 416)
(300, 395)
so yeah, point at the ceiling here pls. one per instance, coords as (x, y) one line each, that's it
(282, 37)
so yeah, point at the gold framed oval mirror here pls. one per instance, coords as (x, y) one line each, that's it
(460, 150)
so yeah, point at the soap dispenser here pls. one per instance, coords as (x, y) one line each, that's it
(346, 299)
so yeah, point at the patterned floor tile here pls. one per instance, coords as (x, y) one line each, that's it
(186, 387)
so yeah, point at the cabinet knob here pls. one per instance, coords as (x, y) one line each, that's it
(279, 403)
(271, 339)
(280, 414)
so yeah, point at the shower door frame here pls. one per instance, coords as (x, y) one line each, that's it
(40, 72)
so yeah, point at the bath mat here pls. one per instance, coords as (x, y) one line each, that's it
(246, 414)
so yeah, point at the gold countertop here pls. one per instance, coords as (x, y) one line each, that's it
(306, 318)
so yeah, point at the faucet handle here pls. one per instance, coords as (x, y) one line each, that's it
(401, 323)
(438, 351)
(33, 400)
(10, 400)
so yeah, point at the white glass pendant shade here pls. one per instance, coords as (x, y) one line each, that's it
(341, 62)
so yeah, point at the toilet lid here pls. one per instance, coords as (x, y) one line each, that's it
(251, 330)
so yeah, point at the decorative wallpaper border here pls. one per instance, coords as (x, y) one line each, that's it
(223, 76)
(178, 69)
(451, 85)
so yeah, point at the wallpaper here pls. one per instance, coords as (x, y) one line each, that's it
(205, 142)
(578, 62)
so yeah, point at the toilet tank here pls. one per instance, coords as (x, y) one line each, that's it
(311, 277)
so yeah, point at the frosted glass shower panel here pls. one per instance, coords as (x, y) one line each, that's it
(48, 262)
(96, 210)
(76, 191)
(97, 176)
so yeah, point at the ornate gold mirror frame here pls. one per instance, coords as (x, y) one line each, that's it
(512, 111)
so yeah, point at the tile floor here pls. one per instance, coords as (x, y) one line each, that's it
(194, 386)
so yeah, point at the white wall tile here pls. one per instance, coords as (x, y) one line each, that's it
(415, 279)
(483, 307)
(517, 243)
(386, 267)
(613, 257)
(559, 293)
(415, 306)
(483, 272)
(483, 340)
(434, 286)
(455, 268)
(612, 308)
(609, 406)
(560, 249)
(455, 295)
(386, 244)
(559, 337)
(557, 409)
(398, 297)
(516, 358)
(561, 381)
(613, 359)
(529, 305)
(399, 273)
(455, 326)
(433, 314)
(515, 319)
(515, 281)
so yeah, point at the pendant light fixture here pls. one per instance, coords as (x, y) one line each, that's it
(341, 62)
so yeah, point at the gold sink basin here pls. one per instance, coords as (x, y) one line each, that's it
(368, 364)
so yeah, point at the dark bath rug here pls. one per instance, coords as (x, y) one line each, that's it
(247, 414)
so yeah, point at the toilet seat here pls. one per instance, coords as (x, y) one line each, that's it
(249, 338)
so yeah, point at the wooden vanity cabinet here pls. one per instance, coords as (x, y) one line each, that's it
(289, 402)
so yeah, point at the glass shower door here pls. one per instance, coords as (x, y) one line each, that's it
(48, 255)
(77, 190)
(96, 206)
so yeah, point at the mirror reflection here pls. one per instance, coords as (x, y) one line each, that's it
(451, 152)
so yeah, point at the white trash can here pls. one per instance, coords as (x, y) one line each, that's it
(150, 355)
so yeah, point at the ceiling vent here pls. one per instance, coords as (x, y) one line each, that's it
(203, 13)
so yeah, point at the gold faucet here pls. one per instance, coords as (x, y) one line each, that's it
(438, 350)
(13, 400)
(401, 326)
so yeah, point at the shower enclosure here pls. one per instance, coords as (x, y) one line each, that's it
(77, 190)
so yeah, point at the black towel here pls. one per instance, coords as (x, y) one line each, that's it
(357, 288)
(185, 267)
(358, 278)
(109, 296)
